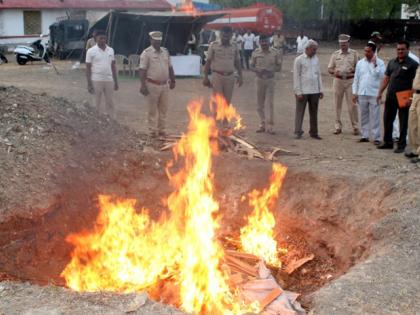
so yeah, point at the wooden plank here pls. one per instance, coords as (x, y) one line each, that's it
(242, 141)
(246, 256)
(296, 264)
(168, 146)
(270, 297)
(241, 266)
(236, 279)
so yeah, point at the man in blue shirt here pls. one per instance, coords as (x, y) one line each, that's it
(369, 73)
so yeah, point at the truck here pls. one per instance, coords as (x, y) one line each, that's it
(68, 38)
(259, 18)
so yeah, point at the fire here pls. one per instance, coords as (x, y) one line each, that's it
(120, 253)
(127, 251)
(257, 237)
(225, 111)
(187, 7)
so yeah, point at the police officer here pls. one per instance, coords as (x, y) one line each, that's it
(278, 41)
(265, 61)
(342, 66)
(223, 58)
(155, 73)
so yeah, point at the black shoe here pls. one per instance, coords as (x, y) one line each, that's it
(260, 129)
(415, 160)
(411, 155)
(399, 150)
(337, 131)
(364, 140)
(316, 137)
(376, 142)
(385, 146)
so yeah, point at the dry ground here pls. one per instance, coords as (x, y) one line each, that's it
(351, 201)
(340, 154)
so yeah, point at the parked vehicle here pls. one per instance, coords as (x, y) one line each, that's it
(37, 51)
(259, 18)
(3, 58)
(68, 38)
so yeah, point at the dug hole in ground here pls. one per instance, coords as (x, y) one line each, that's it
(353, 207)
(57, 157)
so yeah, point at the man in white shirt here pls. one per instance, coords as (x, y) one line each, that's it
(257, 41)
(307, 85)
(367, 78)
(301, 41)
(249, 45)
(101, 73)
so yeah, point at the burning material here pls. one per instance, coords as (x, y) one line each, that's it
(128, 252)
(257, 237)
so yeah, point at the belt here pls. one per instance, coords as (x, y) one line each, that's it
(344, 77)
(225, 73)
(157, 82)
(417, 92)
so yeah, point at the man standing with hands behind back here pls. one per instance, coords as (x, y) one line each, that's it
(101, 73)
(265, 61)
(307, 85)
(342, 66)
(155, 73)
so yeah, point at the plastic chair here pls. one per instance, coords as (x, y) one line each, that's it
(133, 64)
(121, 62)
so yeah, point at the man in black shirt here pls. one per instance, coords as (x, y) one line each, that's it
(399, 76)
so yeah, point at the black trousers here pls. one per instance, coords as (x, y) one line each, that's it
(312, 100)
(390, 112)
(247, 55)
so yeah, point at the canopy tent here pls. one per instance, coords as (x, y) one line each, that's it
(129, 33)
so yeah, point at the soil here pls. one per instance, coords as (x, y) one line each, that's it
(353, 206)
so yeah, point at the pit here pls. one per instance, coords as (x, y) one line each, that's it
(333, 217)
(328, 216)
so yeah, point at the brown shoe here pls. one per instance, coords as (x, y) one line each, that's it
(356, 132)
(337, 131)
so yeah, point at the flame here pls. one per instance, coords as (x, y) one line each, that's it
(187, 7)
(225, 111)
(120, 253)
(257, 236)
(127, 251)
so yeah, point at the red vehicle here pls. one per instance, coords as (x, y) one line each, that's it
(259, 18)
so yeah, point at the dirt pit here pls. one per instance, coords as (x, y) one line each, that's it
(327, 216)
(57, 157)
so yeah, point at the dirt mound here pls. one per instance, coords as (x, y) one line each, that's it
(46, 142)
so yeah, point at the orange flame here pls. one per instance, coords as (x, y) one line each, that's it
(127, 251)
(187, 7)
(225, 111)
(257, 237)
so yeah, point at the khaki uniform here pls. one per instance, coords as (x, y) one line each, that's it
(269, 61)
(156, 64)
(223, 60)
(278, 43)
(414, 117)
(342, 85)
